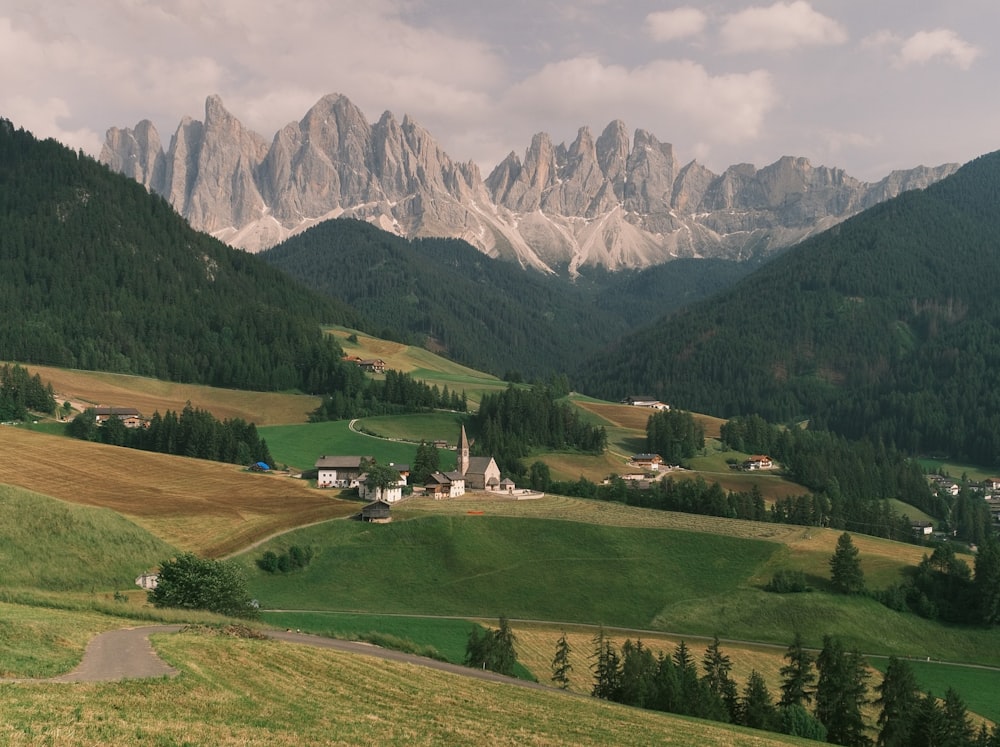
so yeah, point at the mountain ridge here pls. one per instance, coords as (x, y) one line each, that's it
(610, 201)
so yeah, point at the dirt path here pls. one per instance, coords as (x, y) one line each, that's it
(127, 654)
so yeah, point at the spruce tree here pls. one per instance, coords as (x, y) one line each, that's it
(840, 694)
(798, 676)
(561, 666)
(717, 667)
(845, 567)
(898, 700)
(757, 708)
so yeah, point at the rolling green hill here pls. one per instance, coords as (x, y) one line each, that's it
(886, 326)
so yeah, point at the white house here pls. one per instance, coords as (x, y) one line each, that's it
(339, 471)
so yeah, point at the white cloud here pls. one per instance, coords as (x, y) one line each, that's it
(924, 47)
(944, 44)
(665, 95)
(668, 25)
(780, 27)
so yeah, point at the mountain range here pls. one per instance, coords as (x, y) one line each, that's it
(614, 202)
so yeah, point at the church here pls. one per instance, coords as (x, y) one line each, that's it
(481, 473)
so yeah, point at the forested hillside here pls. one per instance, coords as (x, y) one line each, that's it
(95, 273)
(886, 326)
(490, 314)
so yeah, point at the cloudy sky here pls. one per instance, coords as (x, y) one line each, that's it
(867, 85)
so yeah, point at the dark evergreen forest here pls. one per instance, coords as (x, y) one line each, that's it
(96, 273)
(448, 296)
(885, 327)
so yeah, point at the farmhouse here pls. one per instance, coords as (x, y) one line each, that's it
(129, 416)
(758, 461)
(637, 400)
(389, 494)
(147, 580)
(648, 461)
(445, 485)
(339, 471)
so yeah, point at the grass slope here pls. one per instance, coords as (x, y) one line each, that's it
(420, 363)
(51, 545)
(301, 445)
(251, 692)
(90, 388)
(525, 568)
(207, 507)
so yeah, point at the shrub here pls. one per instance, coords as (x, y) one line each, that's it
(788, 582)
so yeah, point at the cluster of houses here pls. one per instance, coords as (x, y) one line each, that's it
(471, 473)
(988, 488)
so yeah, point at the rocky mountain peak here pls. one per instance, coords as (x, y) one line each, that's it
(609, 202)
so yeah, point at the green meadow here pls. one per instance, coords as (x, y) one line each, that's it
(299, 446)
(491, 566)
(979, 687)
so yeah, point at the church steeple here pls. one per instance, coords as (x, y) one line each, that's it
(463, 452)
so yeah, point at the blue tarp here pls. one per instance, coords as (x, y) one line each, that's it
(263, 465)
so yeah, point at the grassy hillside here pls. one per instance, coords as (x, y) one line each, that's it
(207, 507)
(419, 363)
(525, 568)
(90, 388)
(250, 692)
(51, 545)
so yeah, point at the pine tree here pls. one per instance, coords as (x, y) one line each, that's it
(757, 708)
(561, 666)
(606, 668)
(798, 676)
(899, 701)
(717, 667)
(987, 581)
(845, 567)
(840, 694)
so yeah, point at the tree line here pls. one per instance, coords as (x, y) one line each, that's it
(20, 392)
(511, 423)
(354, 394)
(822, 696)
(193, 433)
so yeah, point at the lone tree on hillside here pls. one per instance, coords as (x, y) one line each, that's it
(845, 567)
(194, 583)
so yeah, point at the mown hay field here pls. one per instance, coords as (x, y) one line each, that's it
(235, 691)
(206, 507)
(635, 418)
(92, 388)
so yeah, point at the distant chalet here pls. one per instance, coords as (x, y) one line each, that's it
(371, 365)
(129, 416)
(637, 400)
